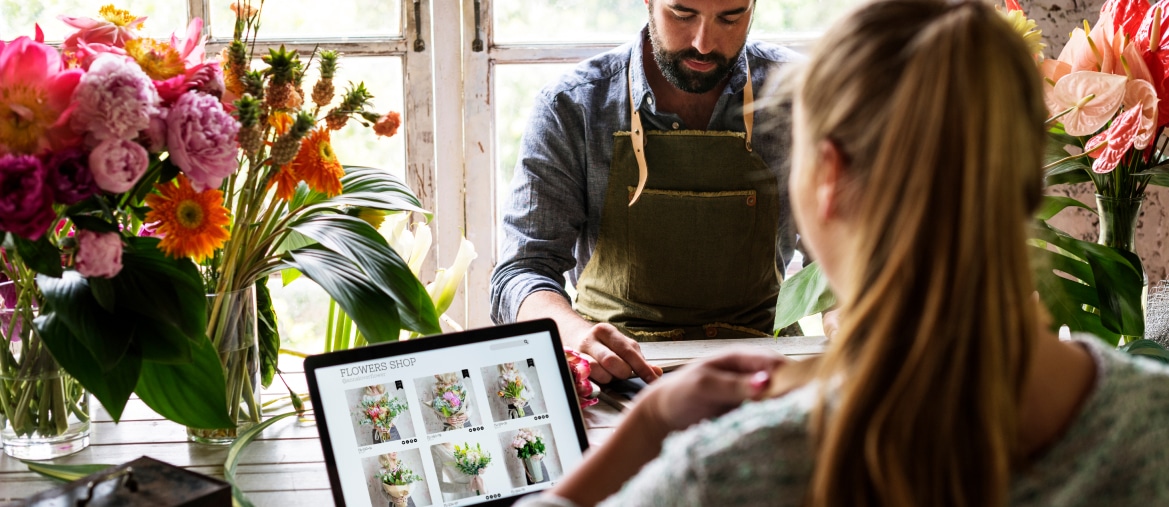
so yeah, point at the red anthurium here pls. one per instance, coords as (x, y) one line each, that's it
(1118, 139)
(1154, 48)
(1127, 15)
(1013, 5)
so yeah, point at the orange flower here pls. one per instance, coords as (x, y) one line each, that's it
(388, 125)
(193, 224)
(317, 164)
(286, 181)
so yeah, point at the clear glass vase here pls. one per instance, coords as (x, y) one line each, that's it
(232, 326)
(44, 412)
(1118, 229)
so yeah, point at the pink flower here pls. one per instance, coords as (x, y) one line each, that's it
(99, 254)
(114, 29)
(203, 78)
(26, 199)
(201, 137)
(452, 398)
(115, 100)
(155, 134)
(118, 164)
(70, 177)
(1093, 98)
(35, 97)
(579, 366)
(1119, 138)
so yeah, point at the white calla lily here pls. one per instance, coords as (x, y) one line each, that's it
(447, 281)
(422, 240)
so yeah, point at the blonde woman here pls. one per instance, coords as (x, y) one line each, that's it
(918, 139)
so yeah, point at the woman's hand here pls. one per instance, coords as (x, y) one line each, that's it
(708, 388)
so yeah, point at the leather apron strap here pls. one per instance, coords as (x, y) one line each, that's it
(638, 132)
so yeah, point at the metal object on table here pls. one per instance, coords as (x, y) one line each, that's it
(142, 482)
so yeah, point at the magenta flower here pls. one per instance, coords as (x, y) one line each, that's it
(99, 254)
(35, 97)
(115, 99)
(117, 165)
(26, 200)
(201, 137)
(452, 398)
(69, 176)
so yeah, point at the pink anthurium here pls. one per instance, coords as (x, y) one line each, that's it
(1139, 94)
(1086, 100)
(1091, 50)
(1116, 141)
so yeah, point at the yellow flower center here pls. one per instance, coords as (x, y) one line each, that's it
(327, 153)
(189, 214)
(24, 118)
(117, 16)
(159, 60)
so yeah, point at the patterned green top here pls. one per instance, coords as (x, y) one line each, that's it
(1116, 452)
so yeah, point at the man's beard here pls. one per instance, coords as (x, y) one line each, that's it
(683, 77)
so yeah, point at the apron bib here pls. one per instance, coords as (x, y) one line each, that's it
(688, 237)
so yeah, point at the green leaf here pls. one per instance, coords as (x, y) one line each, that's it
(104, 335)
(41, 255)
(269, 333)
(1053, 204)
(804, 293)
(1146, 348)
(1157, 170)
(92, 223)
(112, 388)
(103, 292)
(1119, 281)
(237, 447)
(288, 276)
(1074, 170)
(359, 242)
(66, 473)
(160, 287)
(374, 311)
(192, 394)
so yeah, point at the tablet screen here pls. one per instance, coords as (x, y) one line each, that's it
(458, 425)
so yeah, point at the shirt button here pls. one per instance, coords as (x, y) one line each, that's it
(675, 125)
(650, 100)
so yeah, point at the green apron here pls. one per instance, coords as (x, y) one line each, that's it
(687, 242)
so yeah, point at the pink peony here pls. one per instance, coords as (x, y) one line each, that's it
(26, 199)
(110, 32)
(70, 177)
(204, 78)
(115, 100)
(201, 137)
(155, 135)
(452, 398)
(117, 165)
(99, 254)
(35, 97)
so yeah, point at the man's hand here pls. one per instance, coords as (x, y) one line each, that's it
(612, 354)
(707, 388)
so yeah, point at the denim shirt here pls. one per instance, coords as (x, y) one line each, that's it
(552, 218)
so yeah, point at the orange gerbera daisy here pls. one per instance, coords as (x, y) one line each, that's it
(317, 164)
(286, 181)
(193, 224)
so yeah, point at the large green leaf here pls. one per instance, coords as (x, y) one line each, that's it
(803, 294)
(163, 288)
(105, 336)
(112, 388)
(1147, 348)
(233, 453)
(1053, 204)
(359, 242)
(40, 255)
(269, 333)
(192, 394)
(374, 311)
(66, 473)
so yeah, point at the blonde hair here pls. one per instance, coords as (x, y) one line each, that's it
(937, 110)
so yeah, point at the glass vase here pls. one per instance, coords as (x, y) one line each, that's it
(44, 412)
(1118, 229)
(232, 326)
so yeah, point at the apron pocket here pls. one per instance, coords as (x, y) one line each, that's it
(695, 249)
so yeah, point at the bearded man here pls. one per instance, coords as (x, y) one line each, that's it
(648, 177)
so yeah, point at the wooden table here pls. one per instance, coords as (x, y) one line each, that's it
(285, 466)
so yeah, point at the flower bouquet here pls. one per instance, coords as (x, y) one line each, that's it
(379, 411)
(396, 479)
(472, 462)
(514, 388)
(529, 447)
(586, 391)
(450, 401)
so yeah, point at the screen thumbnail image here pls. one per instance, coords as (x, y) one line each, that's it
(397, 479)
(469, 467)
(447, 400)
(530, 455)
(513, 390)
(380, 413)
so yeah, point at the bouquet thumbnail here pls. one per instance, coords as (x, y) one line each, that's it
(514, 388)
(472, 461)
(528, 443)
(450, 400)
(379, 409)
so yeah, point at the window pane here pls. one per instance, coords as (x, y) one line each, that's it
(619, 20)
(19, 16)
(516, 87)
(306, 19)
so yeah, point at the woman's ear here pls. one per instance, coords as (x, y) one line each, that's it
(829, 180)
